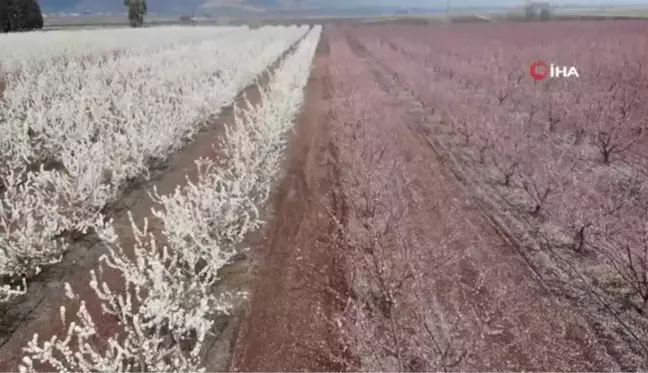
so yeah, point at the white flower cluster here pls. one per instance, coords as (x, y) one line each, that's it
(75, 134)
(169, 302)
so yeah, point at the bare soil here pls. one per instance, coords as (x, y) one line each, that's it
(287, 325)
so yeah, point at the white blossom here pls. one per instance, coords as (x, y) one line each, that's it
(95, 109)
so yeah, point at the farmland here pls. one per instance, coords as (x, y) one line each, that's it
(109, 118)
(384, 197)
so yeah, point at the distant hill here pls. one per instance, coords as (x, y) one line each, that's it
(111, 6)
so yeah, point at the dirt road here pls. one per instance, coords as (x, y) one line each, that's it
(287, 327)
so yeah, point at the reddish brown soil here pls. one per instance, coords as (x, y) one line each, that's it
(485, 297)
(287, 328)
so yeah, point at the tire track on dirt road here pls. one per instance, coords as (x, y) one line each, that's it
(287, 323)
(503, 315)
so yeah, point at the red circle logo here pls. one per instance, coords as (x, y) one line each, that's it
(539, 70)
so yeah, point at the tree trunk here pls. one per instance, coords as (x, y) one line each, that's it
(507, 179)
(579, 137)
(482, 156)
(606, 156)
(580, 237)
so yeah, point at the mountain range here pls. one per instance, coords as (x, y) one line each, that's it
(93, 6)
(165, 6)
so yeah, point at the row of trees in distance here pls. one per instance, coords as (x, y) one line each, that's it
(26, 15)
